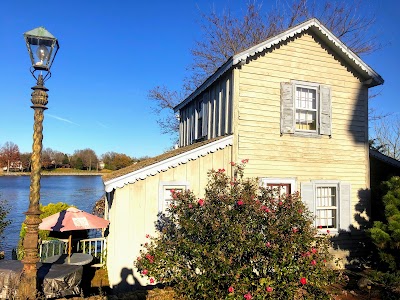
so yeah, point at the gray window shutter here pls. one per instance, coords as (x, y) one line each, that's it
(345, 206)
(325, 111)
(204, 110)
(307, 196)
(287, 108)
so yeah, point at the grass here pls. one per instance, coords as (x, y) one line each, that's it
(60, 171)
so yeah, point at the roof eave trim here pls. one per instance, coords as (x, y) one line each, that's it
(384, 158)
(164, 165)
(312, 23)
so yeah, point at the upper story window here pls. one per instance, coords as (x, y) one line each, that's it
(305, 108)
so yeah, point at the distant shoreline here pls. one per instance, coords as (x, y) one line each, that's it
(53, 174)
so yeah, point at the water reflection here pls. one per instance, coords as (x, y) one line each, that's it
(80, 191)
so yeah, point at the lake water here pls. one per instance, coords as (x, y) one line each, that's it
(80, 191)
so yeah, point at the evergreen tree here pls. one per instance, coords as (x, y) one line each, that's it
(386, 235)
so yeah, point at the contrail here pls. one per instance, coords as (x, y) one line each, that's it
(61, 119)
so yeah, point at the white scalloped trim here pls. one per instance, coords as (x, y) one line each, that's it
(299, 29)
(166, 164)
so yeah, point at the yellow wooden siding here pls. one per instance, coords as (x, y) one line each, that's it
(343, 157)
(135, 207)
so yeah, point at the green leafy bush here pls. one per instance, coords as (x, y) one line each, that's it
(47, 210)
(386, 235)
(4, 222)
(238, 242)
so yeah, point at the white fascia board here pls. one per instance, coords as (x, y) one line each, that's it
(164, 165)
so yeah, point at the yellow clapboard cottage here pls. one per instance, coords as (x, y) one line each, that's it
(296, 106)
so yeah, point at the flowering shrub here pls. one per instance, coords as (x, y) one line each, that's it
(238, 242)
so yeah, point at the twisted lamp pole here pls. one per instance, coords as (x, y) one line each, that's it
(42, 47)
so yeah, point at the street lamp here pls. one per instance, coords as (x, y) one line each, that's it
(42, 47)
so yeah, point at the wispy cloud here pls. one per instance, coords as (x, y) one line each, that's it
(102, 125)
(61, 119)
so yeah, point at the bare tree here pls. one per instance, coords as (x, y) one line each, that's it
(47, 158)
(387, 136)
(227, 34)
(9, 155)
(87, 157)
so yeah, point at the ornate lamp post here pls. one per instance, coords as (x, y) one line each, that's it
(42, 47)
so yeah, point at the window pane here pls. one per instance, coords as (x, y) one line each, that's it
(306, 98)
(306, 120)
(279, 189)
(306, 109)
(167, 201)
(326, 206)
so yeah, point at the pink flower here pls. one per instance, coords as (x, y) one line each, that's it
(280, 203)
(295, 229)
(144, 272)
(232, 183)
(324, 260)
(248, 296)
(190, 205)
(240, 202)
(147, 236)
(303, 280)
(268, 244)
(151, 280)
(139, 258)
(245, 161)
(201, 202)
(172, 191)
(231, 289)
(313, 262)
(269, 289)
(221, 170)
(328, 231)
(300, 211)
(266, 209)
(313, 250)
(232, 164)
(150, 258)
(320, 226)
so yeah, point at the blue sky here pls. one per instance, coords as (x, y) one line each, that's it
(111, 54)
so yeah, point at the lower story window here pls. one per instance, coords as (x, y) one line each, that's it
(326, 207)
(280, 189)
(279, 186)
(330, 203)
(165, 194)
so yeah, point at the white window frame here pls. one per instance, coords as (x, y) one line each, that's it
(172, 185)
(311, 86)
(326, 208)
(344, 217)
